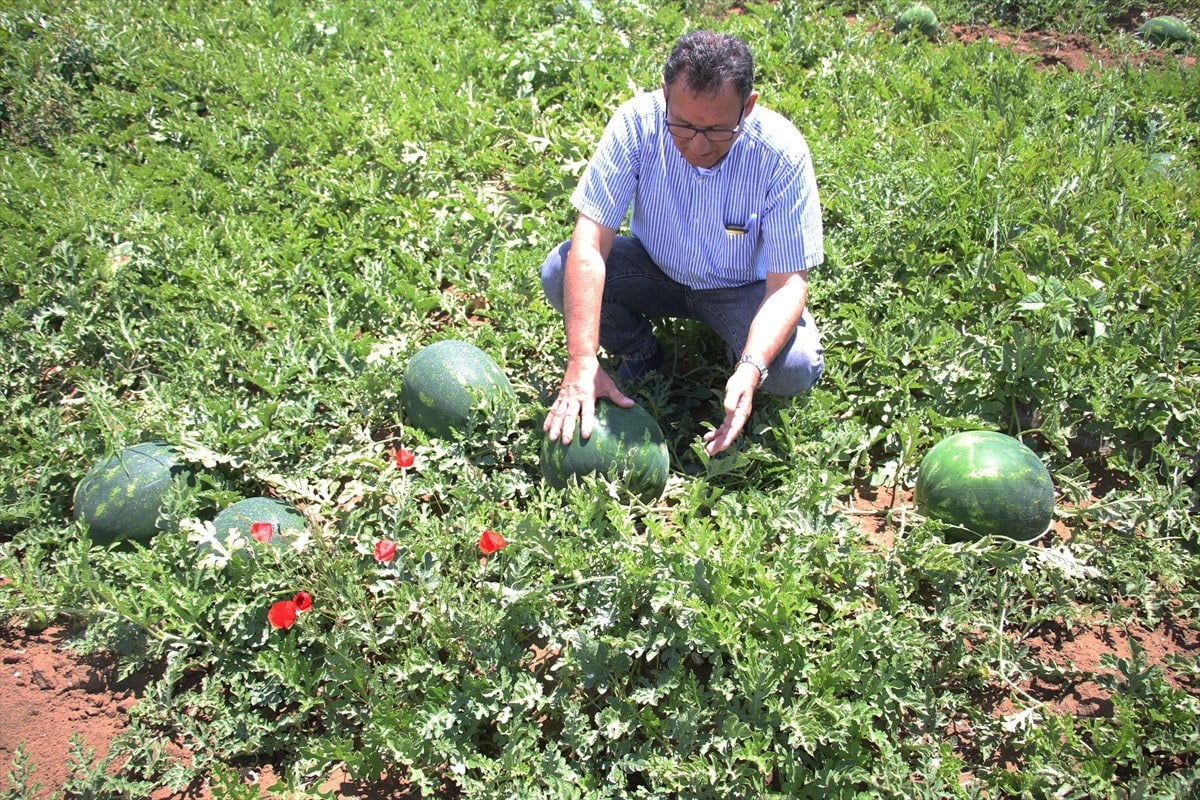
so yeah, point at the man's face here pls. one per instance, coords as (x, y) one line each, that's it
(717, 114)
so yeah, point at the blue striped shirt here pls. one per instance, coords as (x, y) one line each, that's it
(756, 211)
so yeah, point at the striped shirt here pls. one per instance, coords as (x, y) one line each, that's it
(756, 211)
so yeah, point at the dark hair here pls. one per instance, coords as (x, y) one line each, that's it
(706, 61)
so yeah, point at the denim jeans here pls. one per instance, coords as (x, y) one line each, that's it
(636, 291)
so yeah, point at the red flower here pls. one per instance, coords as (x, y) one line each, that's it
(282, 614)
(490, 541)
(404, 458)
(385, 550)
(303, 601)
(262, 531)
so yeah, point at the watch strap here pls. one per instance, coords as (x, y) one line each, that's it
(757, 363)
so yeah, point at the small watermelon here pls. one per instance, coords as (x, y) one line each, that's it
(1166, 31)
(121, 497)
(983, 483)
(267, 520)
(626, 445)
(450, 386)
(918, 17)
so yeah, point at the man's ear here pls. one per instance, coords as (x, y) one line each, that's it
(750, 103)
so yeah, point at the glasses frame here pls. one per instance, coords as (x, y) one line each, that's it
(672, 127)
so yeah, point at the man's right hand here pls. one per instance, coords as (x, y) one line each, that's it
(583, 383)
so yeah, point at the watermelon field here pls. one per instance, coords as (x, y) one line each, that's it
(228, 227)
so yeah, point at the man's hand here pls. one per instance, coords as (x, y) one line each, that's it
(739, 401)
(582, 384)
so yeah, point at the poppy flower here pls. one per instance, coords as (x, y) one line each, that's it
(490, 541)
(262, 531)
(404, 458)
(385, 551)
(303, 601)
(282, 614)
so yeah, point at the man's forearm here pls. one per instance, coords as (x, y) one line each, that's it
(583, 286)
(777, 315)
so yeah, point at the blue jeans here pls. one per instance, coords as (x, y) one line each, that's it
(636, 290)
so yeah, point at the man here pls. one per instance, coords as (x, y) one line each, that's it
(726, 223)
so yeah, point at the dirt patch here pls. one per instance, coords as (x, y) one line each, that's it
(48, 698)
(1050, 50)
(51, 695)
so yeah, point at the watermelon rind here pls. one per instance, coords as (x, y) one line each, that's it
(985, 484)
(918, 17)
(626, 446)
(121, 498)
(450, 387)
(230, 538)
(1166, 31)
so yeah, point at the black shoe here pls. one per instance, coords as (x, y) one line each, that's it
(634, 371)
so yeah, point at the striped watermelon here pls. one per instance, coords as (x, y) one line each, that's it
(1166, 31)
(451, 386)
(626, 445)
(121, 497)
(918, 17)
(237, 527)
(983, 483)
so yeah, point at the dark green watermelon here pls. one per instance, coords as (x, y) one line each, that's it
(451, 386)
(627, 445)
(918, 17)
(983, 483)
(121, 497)
(255, 522)
(1166, 31)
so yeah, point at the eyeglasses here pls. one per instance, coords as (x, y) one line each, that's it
(686, 133)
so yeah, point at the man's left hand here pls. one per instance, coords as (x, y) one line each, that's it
(739, 401)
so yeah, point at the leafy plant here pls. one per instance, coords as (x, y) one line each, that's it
(231, 228)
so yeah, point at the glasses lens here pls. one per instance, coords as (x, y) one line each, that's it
(718, 136)
(681, 131)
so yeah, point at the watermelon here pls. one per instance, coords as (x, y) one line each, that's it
(983, 483)
(1166, 31)
(240, 526)
(121, 497)
(626, 445)
(451, 385)
(918, 17)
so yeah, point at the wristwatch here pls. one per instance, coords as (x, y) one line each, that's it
(758, 364)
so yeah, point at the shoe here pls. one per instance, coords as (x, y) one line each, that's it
(634, 371)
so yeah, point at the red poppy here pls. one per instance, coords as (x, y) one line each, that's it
(490, 541)
(303, 601)
(385, 550)
(262, 531)
(404, 458)
(282, 614)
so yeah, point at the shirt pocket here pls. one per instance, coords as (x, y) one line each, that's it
(741, 237)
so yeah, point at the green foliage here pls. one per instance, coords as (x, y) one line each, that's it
(230, 227)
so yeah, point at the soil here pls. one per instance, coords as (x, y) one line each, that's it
(50, 695)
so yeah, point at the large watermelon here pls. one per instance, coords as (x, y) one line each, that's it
(449, 386)
(120, 498)
(272, 522)
(626, 445)
(1166, 31)
(984, 483)
(917, 17)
